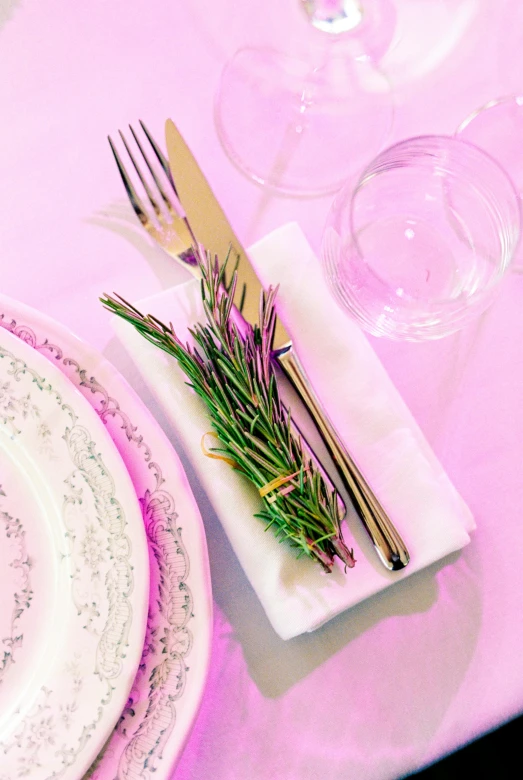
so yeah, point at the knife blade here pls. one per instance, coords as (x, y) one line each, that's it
(212, 229)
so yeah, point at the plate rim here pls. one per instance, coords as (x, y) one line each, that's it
(94, 374)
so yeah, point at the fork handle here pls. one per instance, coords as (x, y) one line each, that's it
(387, 541)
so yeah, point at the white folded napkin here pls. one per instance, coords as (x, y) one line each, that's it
(369, 415)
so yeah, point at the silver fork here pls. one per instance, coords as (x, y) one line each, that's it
(167, 226)
(171, 230)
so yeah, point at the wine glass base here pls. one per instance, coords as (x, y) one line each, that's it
(297, 129)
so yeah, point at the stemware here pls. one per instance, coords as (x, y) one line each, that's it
(299, 124)
(419, 245)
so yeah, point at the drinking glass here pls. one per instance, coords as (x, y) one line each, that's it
(497, 127)
(300, 124)
(418, 246)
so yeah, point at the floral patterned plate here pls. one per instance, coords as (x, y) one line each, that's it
(171, 676)
(74, 573)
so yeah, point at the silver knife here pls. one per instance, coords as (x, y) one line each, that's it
(213, 230)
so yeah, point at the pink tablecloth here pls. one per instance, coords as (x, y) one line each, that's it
(433, 662)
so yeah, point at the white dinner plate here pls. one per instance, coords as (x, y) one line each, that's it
(167, 690)
(74, 573)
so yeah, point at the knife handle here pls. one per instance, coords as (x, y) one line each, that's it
(389, 545)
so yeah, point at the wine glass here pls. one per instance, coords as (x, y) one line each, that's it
(419, 246)
(300, 124)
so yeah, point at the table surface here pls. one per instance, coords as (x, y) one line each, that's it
(433, 662)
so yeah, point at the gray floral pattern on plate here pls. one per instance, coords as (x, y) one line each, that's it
(22, 596)
(90, 491)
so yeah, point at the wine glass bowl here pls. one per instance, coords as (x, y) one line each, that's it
(418, 245)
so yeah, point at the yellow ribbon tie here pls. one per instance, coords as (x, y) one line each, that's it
(276, 483)
(209, 454)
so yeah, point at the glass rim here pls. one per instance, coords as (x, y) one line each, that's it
(498, 101)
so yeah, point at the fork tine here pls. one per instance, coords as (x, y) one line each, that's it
(152, 200)
(160, 157)
(158, 183)
(136, 203)
(167, 170)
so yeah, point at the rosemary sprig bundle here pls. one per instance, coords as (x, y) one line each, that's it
(233, 374)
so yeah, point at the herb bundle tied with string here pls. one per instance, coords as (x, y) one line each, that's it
(232, 372)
